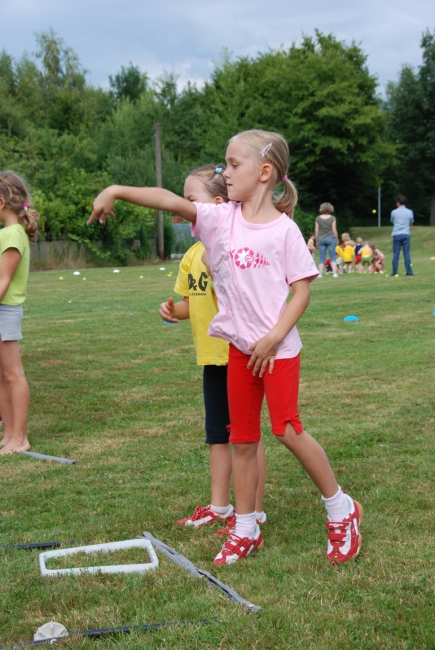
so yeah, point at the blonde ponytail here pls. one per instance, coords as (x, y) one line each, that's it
(288, 199)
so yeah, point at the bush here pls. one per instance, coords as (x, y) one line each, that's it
(305, 221)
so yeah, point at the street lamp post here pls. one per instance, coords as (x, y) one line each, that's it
(379, 206)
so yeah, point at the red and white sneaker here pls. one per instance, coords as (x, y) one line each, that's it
(229, 528)
(344, 539)
(203, 516)
(236, 548)
(232, 524)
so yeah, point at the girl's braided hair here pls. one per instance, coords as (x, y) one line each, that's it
(16, 194)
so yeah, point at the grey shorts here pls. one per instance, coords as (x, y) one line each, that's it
(10, 322)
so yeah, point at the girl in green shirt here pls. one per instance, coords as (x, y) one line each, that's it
(20, 224)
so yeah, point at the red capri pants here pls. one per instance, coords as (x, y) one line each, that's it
(246, 393)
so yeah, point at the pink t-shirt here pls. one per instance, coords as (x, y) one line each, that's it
(252, 267)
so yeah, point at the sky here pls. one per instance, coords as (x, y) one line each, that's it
(187, 37)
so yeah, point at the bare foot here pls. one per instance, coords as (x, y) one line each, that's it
(4, 441)
(12, 448)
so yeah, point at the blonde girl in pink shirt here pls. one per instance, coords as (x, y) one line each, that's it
(257, 255)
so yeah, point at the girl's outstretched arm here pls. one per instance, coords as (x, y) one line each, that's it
(148, 197)
(264, 350)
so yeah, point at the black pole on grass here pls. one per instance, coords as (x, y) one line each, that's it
(40, 545)
(195, 571)
(107, 631)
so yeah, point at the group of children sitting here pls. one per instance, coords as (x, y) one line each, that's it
(364, 257)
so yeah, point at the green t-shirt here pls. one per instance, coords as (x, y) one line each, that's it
(15, 237)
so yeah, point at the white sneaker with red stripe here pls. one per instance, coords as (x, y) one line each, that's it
(236, 548)
(344, 538)
(203, 516)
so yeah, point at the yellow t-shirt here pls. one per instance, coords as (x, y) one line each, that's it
(348, 253)
(15, 237)
(366, 251)
(339, 251)
(194, 282)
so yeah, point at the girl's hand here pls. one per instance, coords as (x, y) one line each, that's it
(103, 206)
(264, 352)
(166, 311)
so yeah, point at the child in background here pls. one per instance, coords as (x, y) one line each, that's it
(207, 184)
(358, 246)
(348, 256)
(20, 224)
(344, 239)
(311, 245)
(366, 258)
(378, 260)
(339, 253)
(257, 254)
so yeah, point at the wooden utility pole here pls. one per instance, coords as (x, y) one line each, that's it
(160, 239)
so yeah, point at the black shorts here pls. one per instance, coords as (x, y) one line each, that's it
(217, 417)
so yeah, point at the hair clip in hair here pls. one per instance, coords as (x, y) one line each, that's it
(218, 170)
(284, 178)
(25, 207)
(266, 150)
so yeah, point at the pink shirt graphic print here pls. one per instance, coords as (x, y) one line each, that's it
(252, 267)
(245, 258)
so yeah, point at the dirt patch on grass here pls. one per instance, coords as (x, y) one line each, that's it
(134, 395)
(53, 362)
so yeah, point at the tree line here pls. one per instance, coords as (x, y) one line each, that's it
(70, 139)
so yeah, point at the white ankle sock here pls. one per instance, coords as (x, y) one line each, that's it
(338, 507)
(245, 525)
(261, 517)
(227, 511)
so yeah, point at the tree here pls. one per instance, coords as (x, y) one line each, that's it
(321, 97)
(70, 139)
(11, 112)
(128, 83)
(411, 112)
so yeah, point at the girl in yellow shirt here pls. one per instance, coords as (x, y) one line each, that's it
(366, 258)
(348, 256)
(207, 185)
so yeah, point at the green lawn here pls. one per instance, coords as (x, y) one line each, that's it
(118, 390)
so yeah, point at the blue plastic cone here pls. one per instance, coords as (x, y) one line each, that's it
(351, 318)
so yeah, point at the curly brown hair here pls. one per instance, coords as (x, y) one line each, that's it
(15, 192)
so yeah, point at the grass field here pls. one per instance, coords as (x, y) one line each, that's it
(118, 390)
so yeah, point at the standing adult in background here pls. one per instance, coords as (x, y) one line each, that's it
(402, 219)
(326, 236)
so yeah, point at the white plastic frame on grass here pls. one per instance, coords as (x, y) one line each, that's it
(102, 548)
